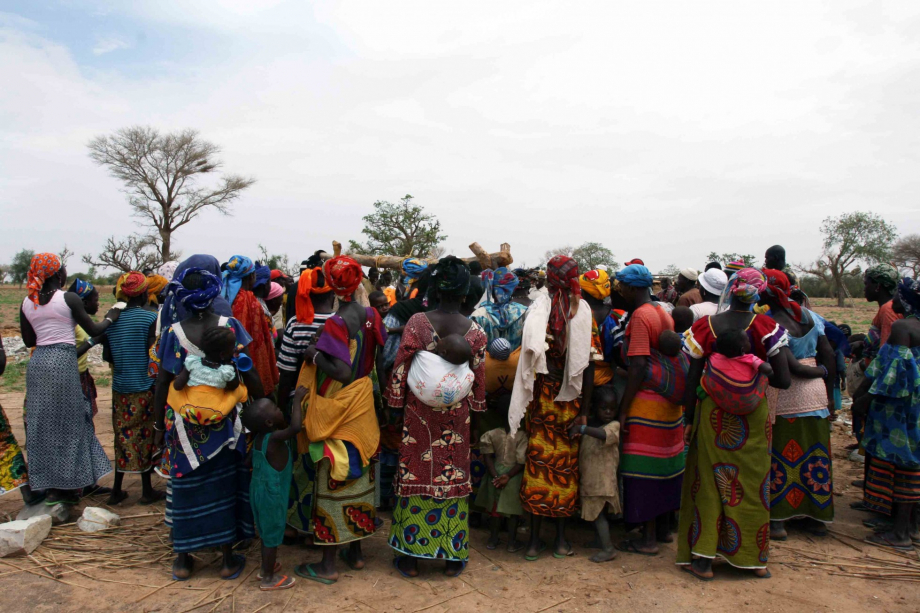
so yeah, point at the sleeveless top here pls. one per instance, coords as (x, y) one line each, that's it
(53, 322)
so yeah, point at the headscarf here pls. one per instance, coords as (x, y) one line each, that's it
(909, 293)
(172, 309)
(733, 267)
(596, 283)
(83, 289)
(131, 285)
(42, 267)
(412, 268)
(451, 277)
(274, 290)
(404, 309)
(168, 270)
(238, 268)
(344, 275)
(307, 285)
(635, 261)
(778, 288)
(196, 300)
(635, 275)
(276, 274)
(745, 285)
(499, 285)
(562, 282)
(525, 278)
(263, 276)
(155, 285)
(885, 275)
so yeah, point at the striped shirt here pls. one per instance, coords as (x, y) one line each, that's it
(127, 340)
(297, 337)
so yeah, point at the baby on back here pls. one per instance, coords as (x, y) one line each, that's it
(455, 349)
(734, 345)
(216, 368)
(443, 377)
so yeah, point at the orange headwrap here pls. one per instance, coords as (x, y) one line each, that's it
(155, 285)
(130, 285)
(306, 286)
(42, 267)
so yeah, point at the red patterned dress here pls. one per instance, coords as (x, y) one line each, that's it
(248, 311)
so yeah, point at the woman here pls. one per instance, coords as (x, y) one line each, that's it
(802, 482)
(652, 460)
(156, 284)
(64, 453)
(725, 507)
(208, 495)
(400, 313)
(239, 278)
(340, 423)
(892, 437)
(595, 289)
(412, 269)
(13, 473)
(496, 314)
(553, 386)
(433, 484)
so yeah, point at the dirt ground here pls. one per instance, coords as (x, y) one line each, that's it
(494, 580)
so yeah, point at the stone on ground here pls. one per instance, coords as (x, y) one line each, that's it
(60, 513)
(23, 536)
(95, 519)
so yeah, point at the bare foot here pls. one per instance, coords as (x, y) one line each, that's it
(604, 556)
(778, 531)
(116, 497)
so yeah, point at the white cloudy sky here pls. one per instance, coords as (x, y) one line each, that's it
(662, 129)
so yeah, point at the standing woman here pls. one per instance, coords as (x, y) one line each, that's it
(595, 288)
(238, 282)
(64, 453)
(652, 460)
(725, 507)
(802, 482)
(553, 387)
(340, 423)
(500, 318)
(13, 474)
(430, 519)
(399, 315)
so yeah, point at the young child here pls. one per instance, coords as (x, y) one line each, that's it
(216, 368)
(271, 479)
(455, 349)
(598, 460)
(735, 345)
(683, 319)
(670, 343)
(499, 494)
(380, 302)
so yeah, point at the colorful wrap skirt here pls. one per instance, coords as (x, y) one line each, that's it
(13, 474)
(888, 484)
(801, 480)
(343, 511)
(425, 527)
(132, 422)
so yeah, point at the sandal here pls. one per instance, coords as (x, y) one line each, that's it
(562, 556)
(191, 569)
(629, 546)
(343, 556)
(540, 549)
(283, 584)
(879, 540)
(400, 570)
(274, 570)
(688, 568)
(242, 562)
(306, 571)
(460, 572)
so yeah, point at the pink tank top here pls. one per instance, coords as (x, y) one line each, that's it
(53, 323)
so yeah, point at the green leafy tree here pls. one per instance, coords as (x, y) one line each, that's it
(402, 229)
(850, 239)
(19, 267)
(749, 260)
(588, 255)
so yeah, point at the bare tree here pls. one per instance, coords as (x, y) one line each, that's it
(133, 253)
(906, 254)
(4, 272)
(65, 255)
(437, 252)
(160, 173)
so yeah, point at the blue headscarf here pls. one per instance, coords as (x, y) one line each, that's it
(909, 293)
(263, 276)
(83, 289)
(172, 309)
(238, 268)
(412, 268)
(199, 299)
(498, 287)
(635, 275)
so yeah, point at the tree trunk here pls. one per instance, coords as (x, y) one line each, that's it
(838, 288)
(166, 238)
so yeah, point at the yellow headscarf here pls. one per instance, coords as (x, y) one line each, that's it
(596, 283)
(155, 285)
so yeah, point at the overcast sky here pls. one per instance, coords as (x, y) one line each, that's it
(664, 130)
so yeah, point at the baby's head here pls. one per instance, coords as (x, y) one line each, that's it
(455, 349)
(683, 319)
(219, 344)
(380, 302)
(606, 403)
(500, 349)
(262, 416)
(733, 343)
(669, 343)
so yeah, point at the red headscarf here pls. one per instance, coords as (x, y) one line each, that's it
(307, 285)
(562, 282)
(344, 275)
(778, 288)
(43, 267)
(130, 285)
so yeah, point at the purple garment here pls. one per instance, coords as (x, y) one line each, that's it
(646, 499)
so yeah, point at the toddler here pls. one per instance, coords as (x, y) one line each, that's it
(455, 349)
(598, 461)
(216, 368)
(670, 343)
(735, 346)
(271, 479)
(683, 319)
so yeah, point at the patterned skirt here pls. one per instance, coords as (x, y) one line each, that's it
(425, 527)
(801, 481)
(550, 484)
(343, 511)
(725, 507)
(61, 442)
(132, 421)
(300, 500)
(888, 484)
(13, 474)
(89, 389)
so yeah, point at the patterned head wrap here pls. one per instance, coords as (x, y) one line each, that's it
(344, 275)
(499, 285)
(778, 288)
(173, 310)
(500, 349)
(308, 284)
(733, 267)
(275, 290)
(746, 285)
(635, 275)
(238, 268)
(412, 268)
(263, 276)
(201, 298)
(885, 275)
(83, 289)
(168, 270)
(131, 285)
(155, 285)
(43, 267)
(909, 293)
(451, 277)
(596, 283)
(562, 282)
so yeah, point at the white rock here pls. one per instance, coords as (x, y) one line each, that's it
(97, 518)
(23, 536)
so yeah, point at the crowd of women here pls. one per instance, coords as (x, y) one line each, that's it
(457, 393)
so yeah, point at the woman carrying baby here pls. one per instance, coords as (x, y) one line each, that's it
(433, 483)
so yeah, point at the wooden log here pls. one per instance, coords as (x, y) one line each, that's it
(394, 262)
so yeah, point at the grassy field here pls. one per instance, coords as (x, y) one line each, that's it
(11, 297)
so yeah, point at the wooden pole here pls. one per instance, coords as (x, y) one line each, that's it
(394, 262)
